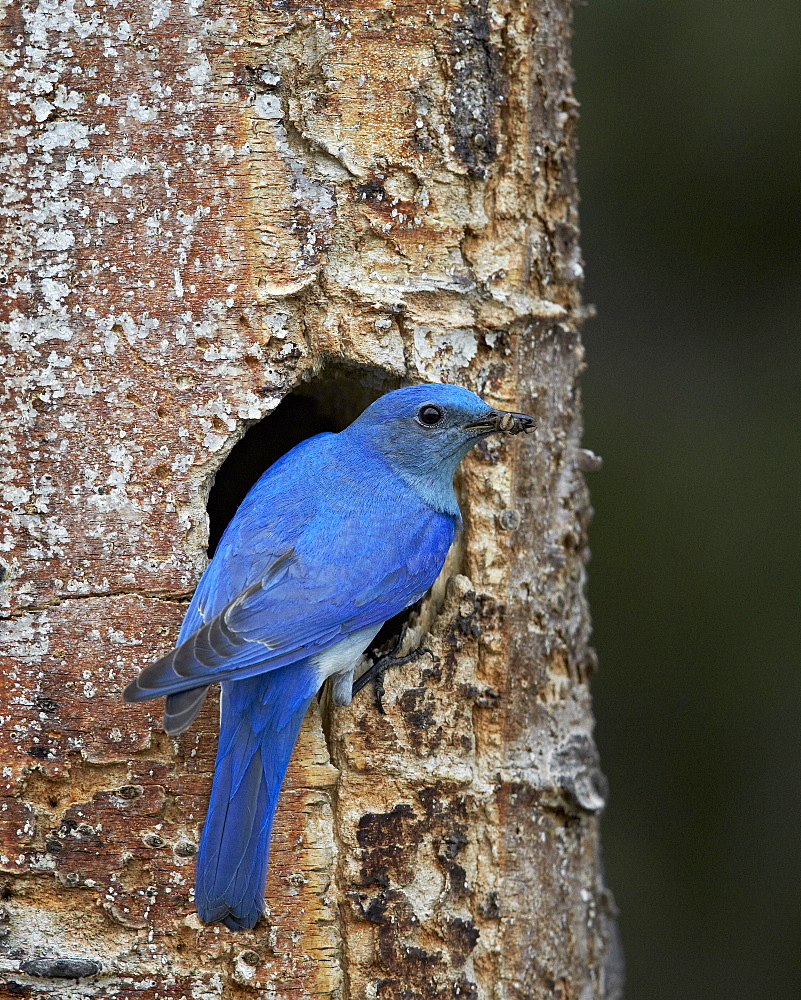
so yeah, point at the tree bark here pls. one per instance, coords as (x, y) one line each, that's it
(209, 206)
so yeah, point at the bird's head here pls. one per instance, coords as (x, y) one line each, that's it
(424, 431)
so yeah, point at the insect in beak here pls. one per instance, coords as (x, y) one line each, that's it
(507, 423)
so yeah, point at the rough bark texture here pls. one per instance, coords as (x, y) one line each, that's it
(207, 206)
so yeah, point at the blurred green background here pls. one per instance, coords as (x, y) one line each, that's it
(689, 172)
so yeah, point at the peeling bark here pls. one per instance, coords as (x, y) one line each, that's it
(209, 206)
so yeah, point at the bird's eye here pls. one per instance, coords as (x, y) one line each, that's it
(428, 415)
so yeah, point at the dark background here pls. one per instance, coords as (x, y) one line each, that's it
(689, 173)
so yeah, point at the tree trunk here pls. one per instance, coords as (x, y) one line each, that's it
(211, 207)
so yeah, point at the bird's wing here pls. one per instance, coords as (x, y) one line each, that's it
(268, 523)
(305, 603)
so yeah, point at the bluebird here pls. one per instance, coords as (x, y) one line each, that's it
(339, 535)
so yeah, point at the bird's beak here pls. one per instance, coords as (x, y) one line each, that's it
(508, 423)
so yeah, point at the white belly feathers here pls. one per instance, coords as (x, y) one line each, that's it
(341, 659)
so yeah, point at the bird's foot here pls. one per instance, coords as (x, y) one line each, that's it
(375, 672)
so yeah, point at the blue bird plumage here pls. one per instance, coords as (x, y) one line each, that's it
(339, 535)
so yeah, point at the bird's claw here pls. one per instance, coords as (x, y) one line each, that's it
(375, 672)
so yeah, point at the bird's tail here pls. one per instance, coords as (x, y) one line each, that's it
(259, 722)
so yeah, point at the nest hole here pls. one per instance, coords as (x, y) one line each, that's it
(324, 404)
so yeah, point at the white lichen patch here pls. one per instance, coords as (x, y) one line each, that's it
(444, 351)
